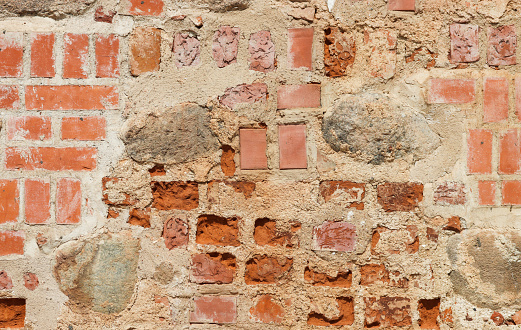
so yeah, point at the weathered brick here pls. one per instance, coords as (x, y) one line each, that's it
(9, 201)
(187, 50)
(346, 314)
(403, 5)
(266, 233)
(382, 58)
(107, 56)
(146, 7)
(157, 170)
(215, 188)
(244, 94)
(5, 281)
(176, 195)
(339, 52)
(502, 43)
(253, 149)
(394, 241)
(71, 98)
(9, 97)
(139, 217)
(213, 268)
(31, 281)
(227, 160)
(400, 196)
(455, 91)
(378, 274)
(464, 43)
(29, 128)
(145, 50)
(12, 313)
(511, 193)
(216, 230)
(225, 45)
(68, 201)
(334, 236)
(300, 48)
(495, 99)
(386, 312)
(104, 16)
(264, 269)
(11, 242)
(342, 279)
(42, 55)
(429, 310)
(83, 128)
(292, 147)
(52, 159)
(76, 55)
(267, 311)
(453, 224)
(11, 54)
(262, 52)
(298, 96)
(497, 318)
(351, 192)
(487, 192)
(214, 309)
(517, 97)
(175, 233)
(510, 152)
(479, 151)
(450, 193)
(37, 201)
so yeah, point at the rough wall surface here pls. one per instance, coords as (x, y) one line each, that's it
(248, 164)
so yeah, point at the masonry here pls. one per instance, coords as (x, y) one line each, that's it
(277, 164)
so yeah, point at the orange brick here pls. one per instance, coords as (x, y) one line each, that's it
(9, 98)
(52, 159)
(68, 201)
(42, 55)
(511, 193)
(145, 50)
(11, 242)
(510, 152)
(292, 147)
(298, 96)
(107, 56)
(146, 7)
(451, 91)
(76, 55)
(11, 54)
(404, 5)
(214, 309)
(37, 198)
(253, 149)
(83, 128)
(479, 151)
(486, 192)
(300, 48)
(71, 98)
(29, 128)
(9, 201)
(495, 103)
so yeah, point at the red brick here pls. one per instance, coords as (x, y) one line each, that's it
(262, 52)
(11, 242)
(186, 49)
(83, 128)
(450, 193)
(429, 310)
(5, 281)
(12, 311)
(267, 311)
(486, 192)
(464, 43)
(11, 54)
(298, 96)
(227, 160)
(146, 7)
(264, 269)
(253, 149)
(175, 195)
(213, 268)
(300, 48)
(510, 152)
(31, 281)
(145, 50)
(42, 55)
(400, 196)
(29, 128)
(292, 147)
(9, 97)
(175, 233)
(405, 5)
(502, 42)
(37, 201)
(455, 91)
(52, 159)
(9, 201)
(266, 233)
(107, 56)
(214, 309)
(479, 151)
(342, 278)
(71, 98)
(334, 236)
(511, 193)
(244, 94)
(225, 45)
(352, 192)
(76, 55)
(139, 217)
(216, 230)
(339, 51)
(68, 201)
(497, 318)
(495, 102)
(101, 16)
(345, 316)
(387, 312)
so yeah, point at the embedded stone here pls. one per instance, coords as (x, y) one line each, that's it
(56, 9)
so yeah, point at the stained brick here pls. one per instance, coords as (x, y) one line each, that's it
(9, 97)
(29, 128)
(12, 313)
(145, 50)
(298, 96)
(6, 283)
(227, 160)
(518, 97)
(429, 310)
(11, 54)
(175, 233)
(339, 52)
(454, 91)
(146, 7)
(378, 274)
(510, 152)
(353, 193)
(382, 47)
(479, 151)
(9, 201)
(464, 43)
(71, 98)
(245, 94)
(400, 196)
(264, 269)
(37, 201)
(266, 233)
(42, 55)
(187, 50)
(139, 217)
(334, 236)
(176, 195)
(253, 149)
(387, 312)
(107, 56)
(225, 46)
(31, 281)
(104, 16)
(404, 5)
(300, 48)
(214, 309)
(262, 52)
(342, 278)
(216, 230)
(292, 147)
(52, 159)
(495, 103)
(450, 193)
(502, 43)
(213, 268)
(346, 314)
(511, 193)
(83, 128)
(68, 201)
(267, 311)
(486, 192)
(76, 55)
(11, 242)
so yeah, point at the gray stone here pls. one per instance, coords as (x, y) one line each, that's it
(48, 8)
(176, 135)
(371, 128)
(215, 5)
(98, 274)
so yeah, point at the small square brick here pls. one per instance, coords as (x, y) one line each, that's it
(298, 96)
(502, 43)
(334, 236)
(479, 151)
(486, 192)
(403, 5)
(464, 43)
(225, 45)
(68, 201)
(253, 149)
(107, 56)
(262, 52)
(495, 103)
(214, 309)
(453, 91)
(37, 201)
(510, 152)
(11, 54)
(9, 201)
(9, 97)
(76, 55)
(11, 242)
(187, 50)
(511, 193)
(29, 128)
(292, 147)
(300, 48)
(42, 55)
